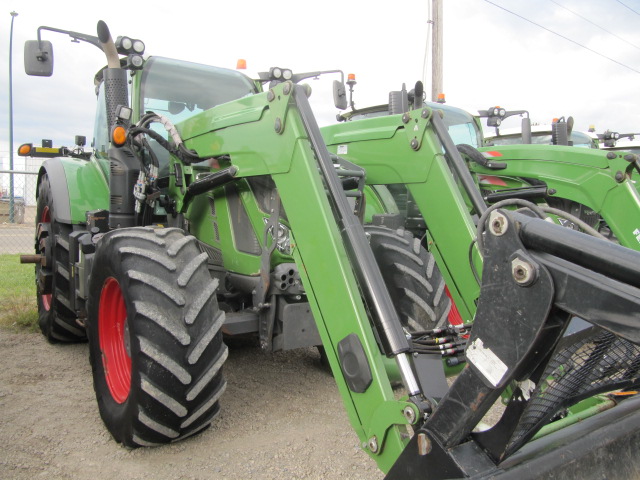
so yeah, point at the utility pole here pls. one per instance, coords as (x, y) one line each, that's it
(11, 192)
(436, 50)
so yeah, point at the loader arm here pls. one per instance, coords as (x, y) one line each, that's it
(394, 151)
(603, 181)
(341, 279)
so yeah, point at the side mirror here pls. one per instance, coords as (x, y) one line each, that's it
(38, 58)
(339, 95)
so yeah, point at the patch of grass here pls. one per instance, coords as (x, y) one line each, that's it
(18, 308)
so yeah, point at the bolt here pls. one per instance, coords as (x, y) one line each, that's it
(287, 88)
(552, 191)
(278, 125)
(619, 176)
(611, 155)
(373, 444)
(271, 96)
(406, 118)
(523, 272)
(424, 444)
(425, 113)
(415, 144)
(499, 223)
(409, 414)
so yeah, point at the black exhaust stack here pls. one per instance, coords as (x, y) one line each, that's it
(124, 167)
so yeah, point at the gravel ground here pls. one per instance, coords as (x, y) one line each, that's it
(282, 418)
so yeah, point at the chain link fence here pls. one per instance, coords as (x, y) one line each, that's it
(18, 207)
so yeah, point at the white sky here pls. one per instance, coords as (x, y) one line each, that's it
(490, 56)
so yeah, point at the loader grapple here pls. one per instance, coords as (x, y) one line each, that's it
(554, 351)
(601, 362)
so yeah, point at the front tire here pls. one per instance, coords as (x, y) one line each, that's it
(412, 277)
(155, 338)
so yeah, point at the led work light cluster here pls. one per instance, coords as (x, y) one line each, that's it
(280, 74)
(496, 115)
(133, 49)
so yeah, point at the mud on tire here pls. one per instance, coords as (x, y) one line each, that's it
(412, 277)
(56, 320)
(155, 343)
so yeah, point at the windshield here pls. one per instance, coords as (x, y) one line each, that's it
(462, 128)
(579, 139)
(623, 148)
(460, 124)
(179, 90)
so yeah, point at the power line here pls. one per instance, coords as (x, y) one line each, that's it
(625, 5)
(595, 24)
(563, 37)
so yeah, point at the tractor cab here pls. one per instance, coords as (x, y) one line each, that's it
(176, 90)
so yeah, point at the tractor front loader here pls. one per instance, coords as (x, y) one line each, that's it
(425, 186)
(210, 208)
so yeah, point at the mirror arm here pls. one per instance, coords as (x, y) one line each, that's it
(74, 35)
(301, 76)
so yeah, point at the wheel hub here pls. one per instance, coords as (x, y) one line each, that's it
(113, 332)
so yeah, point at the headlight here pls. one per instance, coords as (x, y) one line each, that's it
(138, 46)
(134, 62)
(126, 43)
(283, 240)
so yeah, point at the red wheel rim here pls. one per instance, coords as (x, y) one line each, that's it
(112, 331)
(45, 217)
(454, 314)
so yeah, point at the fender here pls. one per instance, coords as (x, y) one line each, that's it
(77, 186)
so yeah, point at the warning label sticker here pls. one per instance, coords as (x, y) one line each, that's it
(486, 362)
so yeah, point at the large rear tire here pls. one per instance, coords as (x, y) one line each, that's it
(56, 320)
(155, 338)
(412, 277)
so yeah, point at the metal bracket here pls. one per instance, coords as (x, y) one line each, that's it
(278, 98)
(387, 415)
(416, 123)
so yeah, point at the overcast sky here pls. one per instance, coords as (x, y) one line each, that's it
(491, 56)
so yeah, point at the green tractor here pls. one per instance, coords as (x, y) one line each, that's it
(209, 208)
(559, 132)
(595, 189)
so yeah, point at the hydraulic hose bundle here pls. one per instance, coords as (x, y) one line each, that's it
(146, 191)
(450, 342)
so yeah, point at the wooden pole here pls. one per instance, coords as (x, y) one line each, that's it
(436, 50)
